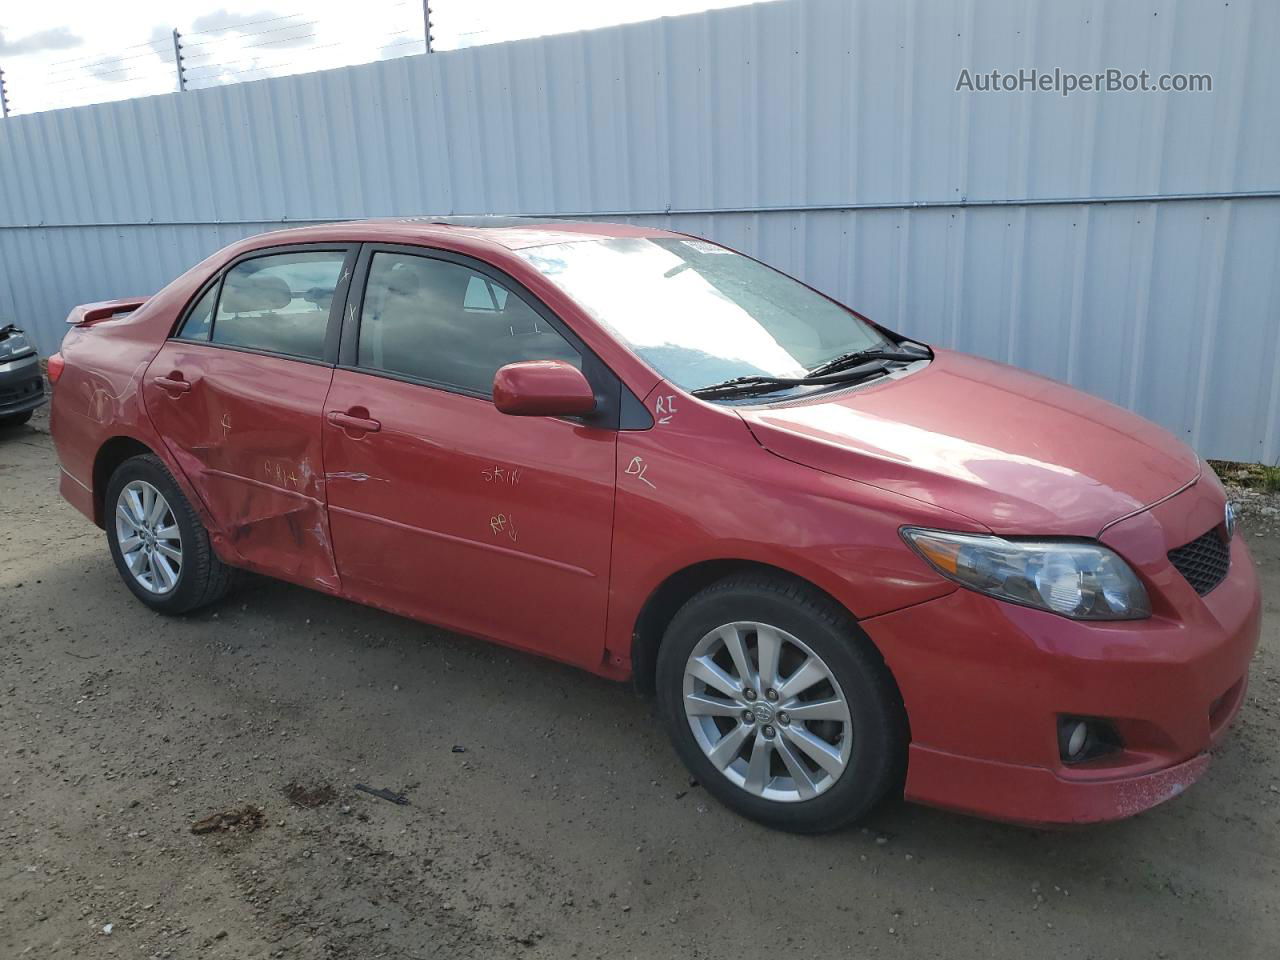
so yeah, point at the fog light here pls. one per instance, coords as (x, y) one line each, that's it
(1081, 739)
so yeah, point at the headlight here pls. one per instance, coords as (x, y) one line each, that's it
(1084, 581)
(1231, 518)
(13, 345)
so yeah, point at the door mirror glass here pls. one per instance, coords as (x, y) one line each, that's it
(542, 388)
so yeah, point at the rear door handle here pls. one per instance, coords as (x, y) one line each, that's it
(348, 422)
(172, 383)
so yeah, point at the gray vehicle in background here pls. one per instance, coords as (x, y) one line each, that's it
(21, 382)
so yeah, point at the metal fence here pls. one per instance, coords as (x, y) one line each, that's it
(1125, 242)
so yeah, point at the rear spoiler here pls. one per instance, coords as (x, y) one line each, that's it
(88, 313)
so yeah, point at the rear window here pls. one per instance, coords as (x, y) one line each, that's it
(278, 303)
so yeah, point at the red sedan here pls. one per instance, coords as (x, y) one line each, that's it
(849, 565)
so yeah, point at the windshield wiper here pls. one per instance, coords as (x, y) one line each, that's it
(846, 360)
(745, 386)
(750, 386)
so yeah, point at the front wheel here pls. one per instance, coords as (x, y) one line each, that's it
(780, 705)
(159, 546)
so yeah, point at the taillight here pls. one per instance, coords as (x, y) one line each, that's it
(56, 363)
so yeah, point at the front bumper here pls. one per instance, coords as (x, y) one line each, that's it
(984, 683)
(21, 385)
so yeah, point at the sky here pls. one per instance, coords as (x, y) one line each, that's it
(62, 53)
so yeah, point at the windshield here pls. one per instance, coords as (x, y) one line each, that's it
(700, 314)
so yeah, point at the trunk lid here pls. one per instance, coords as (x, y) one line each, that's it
(86, 314)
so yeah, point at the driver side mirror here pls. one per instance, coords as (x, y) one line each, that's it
(542, 388)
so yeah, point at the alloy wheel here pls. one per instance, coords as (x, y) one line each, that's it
(767, 711)
(148, 537)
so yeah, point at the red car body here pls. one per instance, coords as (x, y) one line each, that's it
(577, 543)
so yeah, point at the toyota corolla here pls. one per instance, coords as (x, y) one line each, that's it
(850, 565)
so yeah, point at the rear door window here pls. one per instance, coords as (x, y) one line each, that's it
(446, 324)
(199, 322)
(279, 303)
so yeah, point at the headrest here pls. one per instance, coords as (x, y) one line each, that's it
(254, 293)
(404, 281)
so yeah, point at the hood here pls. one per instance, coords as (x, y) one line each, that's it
(1016, 452)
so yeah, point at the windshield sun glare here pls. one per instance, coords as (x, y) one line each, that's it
(699, 313)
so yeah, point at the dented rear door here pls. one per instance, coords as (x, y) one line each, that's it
(238, 396)
(247, 435)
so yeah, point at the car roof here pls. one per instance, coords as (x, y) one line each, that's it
(513, 233)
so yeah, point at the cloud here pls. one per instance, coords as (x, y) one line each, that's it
(223, 21)
(163, 51)
(59, 38)
(223, 33)
(304, 40)
(111, 71)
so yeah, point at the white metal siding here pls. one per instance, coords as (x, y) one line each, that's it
(799, 131)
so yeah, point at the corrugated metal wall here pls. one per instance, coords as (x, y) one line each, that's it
(824, 136)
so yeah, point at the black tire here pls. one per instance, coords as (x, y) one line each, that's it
(202, 578)
(877, 761)
(16, 419)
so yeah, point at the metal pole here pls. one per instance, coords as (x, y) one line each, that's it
(4, 97)
(177, 60)
(426, 21)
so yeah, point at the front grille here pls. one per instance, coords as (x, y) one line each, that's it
(1203, 561)
(24, 391)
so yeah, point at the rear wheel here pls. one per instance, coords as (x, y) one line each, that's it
(780, 705)
(159, 546)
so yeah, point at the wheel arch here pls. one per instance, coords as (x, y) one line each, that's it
(677, 589)
(105, 462)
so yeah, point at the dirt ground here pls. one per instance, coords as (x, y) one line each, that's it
(547, 816)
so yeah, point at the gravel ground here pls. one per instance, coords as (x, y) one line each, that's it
(547, 816)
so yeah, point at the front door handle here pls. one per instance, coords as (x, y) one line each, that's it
(175, 383)
(351, 422)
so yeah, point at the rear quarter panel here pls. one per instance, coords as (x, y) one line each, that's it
(99, 395)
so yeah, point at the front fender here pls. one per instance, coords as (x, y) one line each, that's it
(699, 488)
